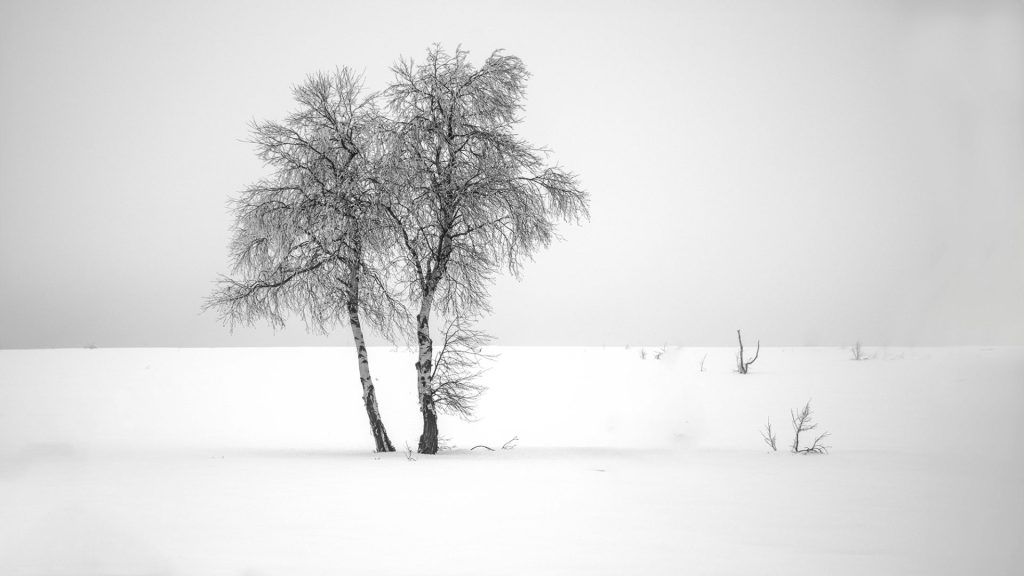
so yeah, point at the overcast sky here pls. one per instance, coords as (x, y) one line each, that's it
(811, 172)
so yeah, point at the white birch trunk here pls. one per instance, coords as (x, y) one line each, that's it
(380, 435)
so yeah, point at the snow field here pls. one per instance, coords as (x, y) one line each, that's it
(258, 462)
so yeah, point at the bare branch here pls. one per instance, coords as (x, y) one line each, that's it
(769, 436)
(456, 368)
(856, 352)
(803, 422)
(743, 366)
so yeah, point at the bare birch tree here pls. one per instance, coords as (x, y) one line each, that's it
(305, 238)
(467, 197)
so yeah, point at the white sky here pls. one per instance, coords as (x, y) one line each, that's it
(811, 172)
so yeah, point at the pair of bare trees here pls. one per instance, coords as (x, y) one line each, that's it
(397, 208)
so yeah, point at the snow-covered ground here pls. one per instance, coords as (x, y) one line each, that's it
(258, 462)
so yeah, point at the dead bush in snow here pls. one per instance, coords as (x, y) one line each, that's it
(743, 365)
(769, 436)
(856, 352)
(803, 422)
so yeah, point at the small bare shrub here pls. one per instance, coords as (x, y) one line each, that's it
(743, 365)
(856, 352)
(702, 361)
(803, 421)
(769, 436)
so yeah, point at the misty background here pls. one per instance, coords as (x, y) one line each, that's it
(811, 173)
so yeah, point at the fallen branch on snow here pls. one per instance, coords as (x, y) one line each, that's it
(506, 446)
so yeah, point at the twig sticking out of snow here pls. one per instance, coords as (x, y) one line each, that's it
(742, 365)
(769, 436)
(856, 352)
(506, 446)
(803, 422)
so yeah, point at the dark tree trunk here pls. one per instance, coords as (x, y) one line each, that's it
(428, 439)
(380, 434)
